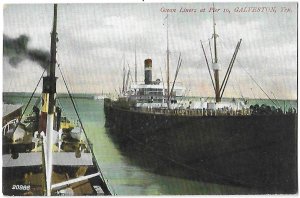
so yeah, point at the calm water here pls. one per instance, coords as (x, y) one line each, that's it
(123, 176)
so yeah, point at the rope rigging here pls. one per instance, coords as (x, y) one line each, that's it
(29, 101)
(207, 64)
(252, 78)
(79, 119)
(256, 83)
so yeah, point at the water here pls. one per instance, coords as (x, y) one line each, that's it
(123, 176)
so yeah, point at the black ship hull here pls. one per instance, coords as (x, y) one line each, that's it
(257, 151)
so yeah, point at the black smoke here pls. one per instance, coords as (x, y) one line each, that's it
(16, 49)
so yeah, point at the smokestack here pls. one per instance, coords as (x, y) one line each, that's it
(148, 71)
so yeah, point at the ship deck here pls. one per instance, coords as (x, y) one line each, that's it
(75, 170)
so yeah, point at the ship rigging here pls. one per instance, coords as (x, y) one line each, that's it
(215, 141)
(46, 159)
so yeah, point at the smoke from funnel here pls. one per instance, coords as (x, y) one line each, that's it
(16, 50)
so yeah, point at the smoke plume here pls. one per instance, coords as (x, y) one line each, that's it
(16, 50)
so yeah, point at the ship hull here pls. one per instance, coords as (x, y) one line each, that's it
(258, 152)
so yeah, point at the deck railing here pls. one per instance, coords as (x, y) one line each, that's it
(10, 125)
(196, 112)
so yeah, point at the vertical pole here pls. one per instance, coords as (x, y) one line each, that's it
(135, 66)
(216, 73)
(51, 89)
(216, 69)
(124, 76)
(162, 79)
(49, 134)
(168, 65)
(215, 43)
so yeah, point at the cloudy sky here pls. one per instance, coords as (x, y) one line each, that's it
(94, 40)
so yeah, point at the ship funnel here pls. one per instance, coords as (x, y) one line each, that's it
(148, 71)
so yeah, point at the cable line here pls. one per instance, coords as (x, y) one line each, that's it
(29, 100)
(73, 103)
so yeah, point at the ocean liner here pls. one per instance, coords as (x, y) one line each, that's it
(40, 156)
(216, 141)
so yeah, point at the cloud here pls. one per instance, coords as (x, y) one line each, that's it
(95, 38)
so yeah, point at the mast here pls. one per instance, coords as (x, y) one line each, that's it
(177, 71)
(49, 92)
(168, 65)
(124, 76)
(216, 67)
(53, 62)
(215, 36)
(135, 66)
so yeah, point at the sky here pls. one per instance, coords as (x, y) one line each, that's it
(95, 40)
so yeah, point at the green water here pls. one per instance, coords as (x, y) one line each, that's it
(122, 175)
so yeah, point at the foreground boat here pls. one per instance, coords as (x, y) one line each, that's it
(229, 143)
(40, 157)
